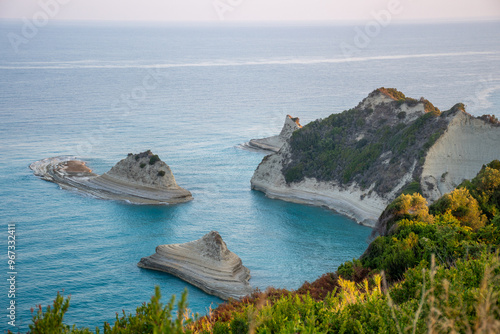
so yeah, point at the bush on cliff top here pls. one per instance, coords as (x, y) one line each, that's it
(365, 146)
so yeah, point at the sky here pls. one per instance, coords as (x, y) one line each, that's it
(251, 10)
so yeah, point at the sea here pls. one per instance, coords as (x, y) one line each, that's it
(194, 94)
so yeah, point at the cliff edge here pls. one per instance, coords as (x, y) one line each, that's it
(358, 161)
(274, 143)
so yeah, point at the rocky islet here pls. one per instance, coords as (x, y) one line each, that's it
(139, 179)
(206, 263)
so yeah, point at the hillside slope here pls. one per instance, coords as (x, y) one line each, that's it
(358, 161)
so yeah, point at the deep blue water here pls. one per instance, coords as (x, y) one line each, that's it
(198, 92)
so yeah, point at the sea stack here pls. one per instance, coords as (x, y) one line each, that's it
(274, 143)
(139, 178)
(205, 263)
(358, 161)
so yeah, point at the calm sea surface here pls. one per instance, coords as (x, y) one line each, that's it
(192, 94)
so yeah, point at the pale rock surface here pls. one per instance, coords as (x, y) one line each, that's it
(275, 143)
(126, 181)
(459, 153)
(269, 179)
(206, 263)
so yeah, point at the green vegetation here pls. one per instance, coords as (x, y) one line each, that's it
(401, 98)
(365, 145)
(432, 270)
(393, 93)
(161, 173)
(491, 119)
(152, 317)
(153, 159)
(411, 188)
(142, 165)
(485, 189)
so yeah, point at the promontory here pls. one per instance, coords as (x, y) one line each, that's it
(206, 263)
(274, 143)
(139, 178)
(356, 162)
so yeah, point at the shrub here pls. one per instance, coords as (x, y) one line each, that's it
(142, 165)
(294, 174)
(161, 173)
(412, 188)
(221, 328)
(485, 188)
(491, 119)
(239, 325)
(153, 159)
(151, 317)
(462, 206)
(51, 321)
(414, 206)
(353, 270)
(392, 92)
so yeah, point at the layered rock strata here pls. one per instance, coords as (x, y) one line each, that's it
(274, 143)
(140, 179)
(206, 263)
(467, 145)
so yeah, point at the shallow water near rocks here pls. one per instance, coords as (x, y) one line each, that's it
(199, 92)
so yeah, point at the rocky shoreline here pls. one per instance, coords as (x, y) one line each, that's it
(350, 202)
(452, 147)
(134, 179)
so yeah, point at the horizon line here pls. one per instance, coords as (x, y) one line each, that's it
(276, 22)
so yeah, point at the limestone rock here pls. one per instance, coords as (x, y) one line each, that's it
(140, 178)
(396, 143)
(145, 169)
(274, 143)
(206, 263)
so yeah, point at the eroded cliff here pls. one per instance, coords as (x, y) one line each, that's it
(358, 161)
(274, 143)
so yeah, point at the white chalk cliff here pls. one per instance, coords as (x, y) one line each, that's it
(464, 144)
(467, 144)
(140, 178)
(206, 263)
(274, 143)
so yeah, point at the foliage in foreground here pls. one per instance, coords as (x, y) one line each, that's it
(432, 270)
(151, 317)
(437, 300)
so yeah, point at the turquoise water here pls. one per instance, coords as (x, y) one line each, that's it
(196, 94)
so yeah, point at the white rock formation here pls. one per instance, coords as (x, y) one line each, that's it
(459, 154)
(140, 179)
(362, 206)
(205, 263)
(274, 143)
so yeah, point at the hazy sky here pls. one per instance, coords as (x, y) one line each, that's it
(236, 10)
